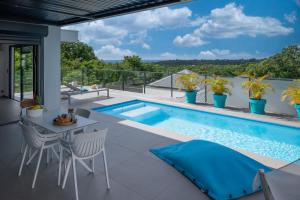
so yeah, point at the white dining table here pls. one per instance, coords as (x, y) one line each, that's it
(46, 122)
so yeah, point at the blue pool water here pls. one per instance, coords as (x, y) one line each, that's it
(267, 139)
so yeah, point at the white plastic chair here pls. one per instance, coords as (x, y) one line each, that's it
(84, 147)
(38, 142)
(39, 129)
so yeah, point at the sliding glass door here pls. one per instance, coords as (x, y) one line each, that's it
(23, 71)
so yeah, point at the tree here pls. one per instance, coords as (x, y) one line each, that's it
(285, 64)
(78, 61)
(133, 62)
(77, 50)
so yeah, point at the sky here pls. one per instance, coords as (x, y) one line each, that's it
(214, 29)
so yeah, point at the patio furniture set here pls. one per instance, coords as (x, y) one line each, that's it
(81, 141)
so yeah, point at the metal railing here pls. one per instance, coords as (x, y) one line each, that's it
(164, 84)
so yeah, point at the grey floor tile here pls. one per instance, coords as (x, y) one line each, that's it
(145, 175)
(115, 154)
(135, 173)
(182, 189)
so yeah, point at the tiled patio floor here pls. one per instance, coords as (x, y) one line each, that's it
(135, 173)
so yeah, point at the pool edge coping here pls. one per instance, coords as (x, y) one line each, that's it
(220, 111)
(270, 162)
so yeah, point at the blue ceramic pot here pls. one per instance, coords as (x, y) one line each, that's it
(219, 100)
(191, 96)
(257, 106)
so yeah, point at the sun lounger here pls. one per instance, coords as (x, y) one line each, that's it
(82, 90)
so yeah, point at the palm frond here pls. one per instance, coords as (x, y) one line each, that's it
(256, 87)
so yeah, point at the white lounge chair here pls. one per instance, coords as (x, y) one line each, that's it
(76, 90)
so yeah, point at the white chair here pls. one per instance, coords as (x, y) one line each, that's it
(84, 147)
(37, 142)
(39, 129)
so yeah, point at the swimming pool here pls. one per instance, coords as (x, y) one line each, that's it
(263, 138)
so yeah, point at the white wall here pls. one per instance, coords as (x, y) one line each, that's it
(239, 97)
(51, 63)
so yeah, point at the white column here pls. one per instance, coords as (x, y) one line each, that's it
(51, 62)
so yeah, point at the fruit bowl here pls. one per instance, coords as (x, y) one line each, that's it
(63, 120)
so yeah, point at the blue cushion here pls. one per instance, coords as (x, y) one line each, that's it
(219, 171)
(83, 89)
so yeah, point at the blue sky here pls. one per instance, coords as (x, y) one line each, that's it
(215, 29)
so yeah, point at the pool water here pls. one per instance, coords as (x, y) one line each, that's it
(267, 139)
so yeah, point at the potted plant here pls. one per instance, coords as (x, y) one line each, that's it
(189, 83)
(219, 87)
(293, 94)
(37, 109)
(257, 89)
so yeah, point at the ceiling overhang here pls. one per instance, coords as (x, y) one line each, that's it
(61, 13)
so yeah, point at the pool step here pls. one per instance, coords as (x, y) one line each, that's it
(140, 111)
(129, 107)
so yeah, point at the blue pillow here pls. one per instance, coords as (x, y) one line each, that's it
(219, 171)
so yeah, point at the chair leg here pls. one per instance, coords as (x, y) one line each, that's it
(51, 154)
(22, 147)
(23, 159)
(47, 160)
(54, 152)
(66, 173)
(106, 171)
(32, 157)
(75, 177)
(59, 165)
(29, 152)
(93, 164)
(37, 167)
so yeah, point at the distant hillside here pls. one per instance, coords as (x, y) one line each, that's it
(206, 62)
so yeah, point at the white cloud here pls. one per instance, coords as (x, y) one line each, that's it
(114, 31)
(224, 54)
(139, 39)
(188, 40)
(100, 33)
(146, 46)
(168, 56)
(159, 18)
(110, 52)
(231, 22)
(173, 56)
(210, 54)
(290, 17)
